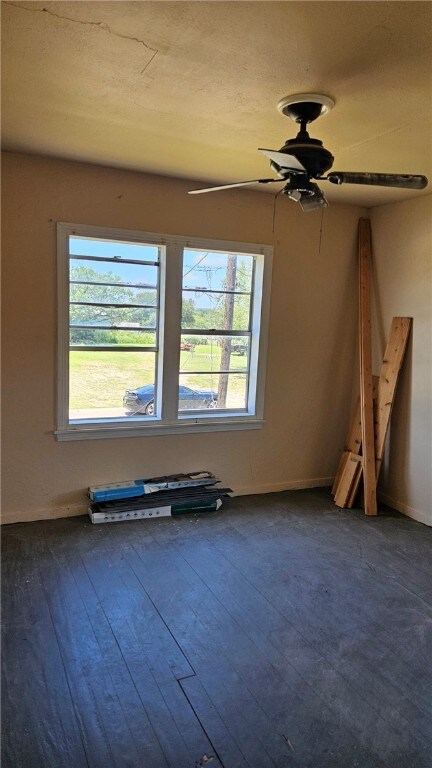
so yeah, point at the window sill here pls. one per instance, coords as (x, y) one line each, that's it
(94, 431)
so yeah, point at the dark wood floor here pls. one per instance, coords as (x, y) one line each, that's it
(279, 631)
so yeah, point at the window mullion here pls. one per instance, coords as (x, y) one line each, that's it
(170, 314)
(259, 325)
(63, 328)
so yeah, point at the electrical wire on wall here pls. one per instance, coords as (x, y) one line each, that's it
(274, 209)
(321, 229)
(274, 220)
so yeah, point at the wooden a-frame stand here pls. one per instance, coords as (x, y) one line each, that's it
(364, 448)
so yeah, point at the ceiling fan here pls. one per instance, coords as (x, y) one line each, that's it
(303, 159)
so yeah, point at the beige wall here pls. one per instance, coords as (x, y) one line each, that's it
(402, 238)
(311, 340)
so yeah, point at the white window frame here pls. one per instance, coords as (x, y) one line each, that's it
(167, 419)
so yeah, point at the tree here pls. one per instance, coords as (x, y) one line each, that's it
(114, 292)
(242, 302)
(230, 284)
(189, 313)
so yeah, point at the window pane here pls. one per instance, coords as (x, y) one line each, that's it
(216, 296)
(112, 316)
(115, 294)
(90, 246)
(98, 382)
(113, 276)
(216, 311)
(212, 390)
(91, 338)
(214, 353)
(217, 271)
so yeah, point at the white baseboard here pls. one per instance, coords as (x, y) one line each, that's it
(73, 510)
(29, 516)
(290, 485)
(400, 506)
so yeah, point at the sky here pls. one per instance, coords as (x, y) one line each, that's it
(201, 269)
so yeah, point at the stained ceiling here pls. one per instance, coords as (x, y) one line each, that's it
(189, 89)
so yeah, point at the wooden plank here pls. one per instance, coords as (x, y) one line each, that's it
(340, 470)
(148, 749)
(392, 363)
(218, 651)
(254, 688)
(40, 723)
(213, 723)
(385, 391)
(105, 732)
(151, 660)
(345, 484)
(354, 438)
(221, 571)
(366, 396)
(353, 443)
(358, 474)
(312, 588)
(354, 487)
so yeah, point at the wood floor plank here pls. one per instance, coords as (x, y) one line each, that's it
(116, 714)
(249, 672)
(102, 719)
(312, 603)
(280, 631)
(324, 636)
(321, 674)
(319, 596)
(155, 671)
(148, 748)
(229, 752)
(188, 615)
(39, 723)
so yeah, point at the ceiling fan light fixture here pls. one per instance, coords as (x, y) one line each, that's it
(313, 202)
(293, 194)
(305, 192)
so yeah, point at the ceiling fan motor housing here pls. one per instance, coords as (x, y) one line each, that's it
(305, 108)
(311, 153)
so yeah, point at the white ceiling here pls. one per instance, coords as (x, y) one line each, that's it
(190, 89)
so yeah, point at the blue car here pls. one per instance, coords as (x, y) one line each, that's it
(141, 400)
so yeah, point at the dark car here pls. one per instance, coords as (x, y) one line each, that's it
(141, 400)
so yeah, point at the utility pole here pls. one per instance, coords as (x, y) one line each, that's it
(228, 323)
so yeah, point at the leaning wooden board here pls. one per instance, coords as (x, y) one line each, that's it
(350, 471)
(343, 484)
(365, 345)
(392, 363)
(385, 386)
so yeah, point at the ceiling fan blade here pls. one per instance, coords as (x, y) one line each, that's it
(402, 180)
(283, 160)
(230, 186)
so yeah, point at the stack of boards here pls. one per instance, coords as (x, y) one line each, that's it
(156, 497)
(364, 448)
(349, 473)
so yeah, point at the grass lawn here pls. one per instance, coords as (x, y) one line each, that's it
(99, 379)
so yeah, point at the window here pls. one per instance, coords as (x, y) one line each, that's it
(159, 334)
